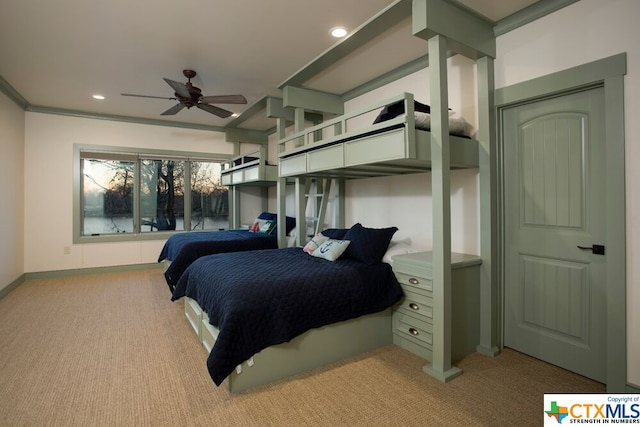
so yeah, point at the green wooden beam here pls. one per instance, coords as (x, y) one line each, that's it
(245, 135)
(277, 110)
(312, 100)
(467, 32)
(117, 118)
(385, 19)
(251, 111)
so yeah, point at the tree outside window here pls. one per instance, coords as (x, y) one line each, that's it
(135, 194)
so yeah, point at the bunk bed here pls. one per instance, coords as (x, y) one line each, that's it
(336, 149)
(249, 169)
(395, 145)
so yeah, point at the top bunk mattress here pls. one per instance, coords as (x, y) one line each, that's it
(395, 144)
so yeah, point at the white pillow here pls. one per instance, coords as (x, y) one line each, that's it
(457, 124)
(396, 248)
(331, 249)
(315, 243)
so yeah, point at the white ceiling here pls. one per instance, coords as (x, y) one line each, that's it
(56, 54)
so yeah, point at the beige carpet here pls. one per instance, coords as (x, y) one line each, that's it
(113, 350)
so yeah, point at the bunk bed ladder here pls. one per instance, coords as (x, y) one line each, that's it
(316, 194)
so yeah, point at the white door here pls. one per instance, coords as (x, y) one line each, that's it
(555, 264)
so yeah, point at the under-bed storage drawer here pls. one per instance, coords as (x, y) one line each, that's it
(376, 148)
(194, 314)
(209, 333)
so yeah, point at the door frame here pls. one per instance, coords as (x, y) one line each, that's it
(608, 73)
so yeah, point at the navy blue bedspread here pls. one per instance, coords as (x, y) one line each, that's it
(262, 298)
(184, 248)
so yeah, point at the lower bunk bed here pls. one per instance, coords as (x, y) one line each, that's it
(278, 312)
(182, 249)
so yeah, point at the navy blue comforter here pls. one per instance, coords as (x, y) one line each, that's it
(184, 248)
(262, 298)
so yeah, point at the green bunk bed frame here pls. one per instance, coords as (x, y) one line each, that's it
(249, 169)
(403, 149)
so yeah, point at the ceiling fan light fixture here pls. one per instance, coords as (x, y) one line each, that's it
(338, 32)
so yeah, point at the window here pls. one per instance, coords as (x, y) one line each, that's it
(126, 196)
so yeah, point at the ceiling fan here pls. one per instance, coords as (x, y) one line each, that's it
(189, 96)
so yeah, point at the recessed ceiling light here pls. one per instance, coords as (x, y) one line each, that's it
(338, 32)
(96, 96)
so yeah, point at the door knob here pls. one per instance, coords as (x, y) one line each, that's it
(595, 249)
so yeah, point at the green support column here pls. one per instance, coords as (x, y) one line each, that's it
(281, 192)
(440, 367)
(489, 301)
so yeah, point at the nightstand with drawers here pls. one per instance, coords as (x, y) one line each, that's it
(413, 316)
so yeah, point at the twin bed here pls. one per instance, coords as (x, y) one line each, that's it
(257, 299)
(182, 249)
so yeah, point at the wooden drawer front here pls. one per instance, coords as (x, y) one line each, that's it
(325, 158)
(412, 329)
(418, 304)
(293, 165)
(194, 314)
(419, 284)
(376, 148)
(209, 333)
(226, 179)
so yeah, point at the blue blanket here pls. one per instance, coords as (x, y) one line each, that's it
(262, 298)
(184, 248)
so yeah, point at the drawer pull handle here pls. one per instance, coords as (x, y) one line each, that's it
(413, 281)
(414, 331)
(414, 306)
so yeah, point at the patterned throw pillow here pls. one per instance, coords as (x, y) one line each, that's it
(267, 227)
(315, 243)
(331, 249)
(257, 225)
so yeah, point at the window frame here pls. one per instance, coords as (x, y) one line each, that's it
(135, 155)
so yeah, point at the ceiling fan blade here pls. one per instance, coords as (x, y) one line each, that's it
(147, 96)
(220, 112)
(224, 99)
(179, 88)
(173, 110)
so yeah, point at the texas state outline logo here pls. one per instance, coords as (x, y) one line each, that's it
(563, 409)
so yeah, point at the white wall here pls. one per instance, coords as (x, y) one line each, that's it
(48, 172)
(586, 31)
(12, 178)
(404, 201)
